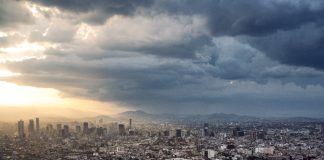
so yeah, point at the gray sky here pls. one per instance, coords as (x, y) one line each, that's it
(255, 57)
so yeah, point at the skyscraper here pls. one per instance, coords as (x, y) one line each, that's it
(21, 132)
(166, 133)
(37, 124)
(100, 131)
(78, 129)
(85, 127)
(178, 133)
(31, 127)
(130, 123)
(121, 129)
(65, 131)
(235, 131)
(205, 131)
(49, 128)
(59, 128)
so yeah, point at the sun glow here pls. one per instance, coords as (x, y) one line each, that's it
(22, 51)
(32, 101)
(6, 73)
(15, 95)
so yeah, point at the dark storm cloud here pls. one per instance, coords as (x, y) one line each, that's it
(13, 14)
(167, 84)
(161, 86)
(182, 49)
(102, 9)
(287, 31)
(258, 18)
(300, 47)
(253, 17)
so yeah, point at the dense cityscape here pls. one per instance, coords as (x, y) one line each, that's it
(101, 139)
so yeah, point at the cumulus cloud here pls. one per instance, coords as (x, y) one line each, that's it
(13, 14)
(97, 11)
(10, 40)
(300, 47)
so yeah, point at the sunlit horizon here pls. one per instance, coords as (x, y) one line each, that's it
(27, 101)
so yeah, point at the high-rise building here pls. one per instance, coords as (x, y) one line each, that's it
(253, 135)
(235, 131)
(178, 133)
(205, 131)
(21, 132)
(37, 124)
(121, 129)
(85, 127)
(130, 123)
(78, 129)
(59, 127)
(65, 131)
(66, 128)
(100, 131)
(49, 128)
(240, 133)
(31, 127)
(261, 134)
(166, 133)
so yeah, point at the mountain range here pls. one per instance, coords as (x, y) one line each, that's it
(140, 115)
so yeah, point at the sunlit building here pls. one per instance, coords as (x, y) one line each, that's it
(21, 132)
(37, 124)
(31, 127)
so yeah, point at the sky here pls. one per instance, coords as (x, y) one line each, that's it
(255, 57)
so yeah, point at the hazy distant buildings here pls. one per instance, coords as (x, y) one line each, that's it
(37, 124)
(31, 127)
(65, 131)
(121, 129)
(130, 123)
(78, 129)
(21, 132)
(85, 128)
(59, 128)
(49, 128)
(101, 131)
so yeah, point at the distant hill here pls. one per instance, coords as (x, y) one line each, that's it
(300, 119)
(140, 115)
(223, 117)
(105, 118)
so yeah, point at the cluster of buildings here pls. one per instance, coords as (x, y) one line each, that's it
(178, 141)
(32, 128)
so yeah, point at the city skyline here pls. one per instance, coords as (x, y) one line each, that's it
(102, 138)
(95, 57)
